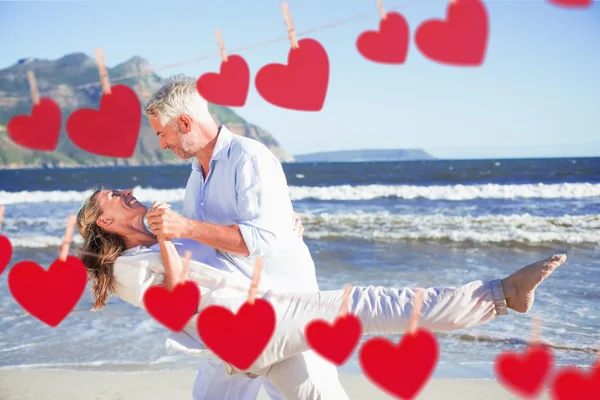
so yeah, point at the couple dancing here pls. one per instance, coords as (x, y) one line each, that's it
(236, 208)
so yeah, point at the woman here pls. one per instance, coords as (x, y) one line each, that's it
(123, 257)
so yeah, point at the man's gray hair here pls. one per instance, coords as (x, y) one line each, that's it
(178, 95)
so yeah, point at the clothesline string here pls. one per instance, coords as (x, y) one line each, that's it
(217, 54)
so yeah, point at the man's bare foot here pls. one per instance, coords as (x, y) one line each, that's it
(519, 288)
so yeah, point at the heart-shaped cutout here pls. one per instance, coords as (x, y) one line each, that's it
(48, 295)
(299, 85)
(334, 342)
(230, 86)
(237, 338)
(400, 369)
(459, 40)
(573, 383)
(173, 308)
(571, 3)
(524, 374)
(389, 45)
(113, 129)
(39, 132)
(5, 252)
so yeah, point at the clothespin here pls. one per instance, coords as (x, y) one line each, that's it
(413, 322)
(382, 12)
(289, 24)
(345, 302)
(35, 95)
(598, 353)
(103, 71)
(221, 45)
(186, 263)
(64, 248)
(258, 264)
(536, 329)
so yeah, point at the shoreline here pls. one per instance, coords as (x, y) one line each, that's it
(70, 385)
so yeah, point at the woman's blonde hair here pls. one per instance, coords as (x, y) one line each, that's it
(99, 251)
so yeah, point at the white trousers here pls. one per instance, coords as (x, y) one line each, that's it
(303, 376)
(297, 373)
(381, 311)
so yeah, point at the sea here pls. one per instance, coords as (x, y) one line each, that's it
(410, 223)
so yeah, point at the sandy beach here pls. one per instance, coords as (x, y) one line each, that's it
(67, 385)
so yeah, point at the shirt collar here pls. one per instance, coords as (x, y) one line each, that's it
(221, 150)
(133, 250)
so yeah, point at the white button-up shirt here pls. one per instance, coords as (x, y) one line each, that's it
(246, 186)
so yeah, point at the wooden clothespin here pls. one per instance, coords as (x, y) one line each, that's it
(413, 322)
(186, 264)
(35, 95)
(536, 331)
(1, 216)
(103, 71)
(598, 353)
(382, 12)
(258, 264)
(221, 45)
(64, 248)
(289, 24)
(345, 302)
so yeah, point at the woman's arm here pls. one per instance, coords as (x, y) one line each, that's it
(175, 270)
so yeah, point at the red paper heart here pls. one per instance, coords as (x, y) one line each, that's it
(461, 39)
(388, 45)
(5, 252)
(402, 369)
(299, 85)
(571, 3)
(174, 308)
(524, 374)
(334, 342)
(572, 383)
(48, 295)
(41, 131)
(113, 130)
(237, 338)
(230, 86)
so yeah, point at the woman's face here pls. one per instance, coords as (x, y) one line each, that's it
(119, 209)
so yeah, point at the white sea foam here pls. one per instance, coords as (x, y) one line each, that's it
(448, 192)
(519, 228)
(348, 192)
(522, 228)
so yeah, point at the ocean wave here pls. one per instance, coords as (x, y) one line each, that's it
(522, 228)
(516, 228)
(348, 193)
(448, 192)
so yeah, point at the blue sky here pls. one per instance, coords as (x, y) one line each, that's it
(537, 93)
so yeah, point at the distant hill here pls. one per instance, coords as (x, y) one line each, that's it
(62, 76)
(365, 155)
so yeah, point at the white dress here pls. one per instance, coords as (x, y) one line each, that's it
(381, 310)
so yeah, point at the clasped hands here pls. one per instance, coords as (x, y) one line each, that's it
(166, 223)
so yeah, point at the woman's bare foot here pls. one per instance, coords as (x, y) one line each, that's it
(519, 288)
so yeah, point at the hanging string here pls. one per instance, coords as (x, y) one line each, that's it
(148, 71)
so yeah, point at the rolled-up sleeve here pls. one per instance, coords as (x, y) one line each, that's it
(133, 278)
(263, 203)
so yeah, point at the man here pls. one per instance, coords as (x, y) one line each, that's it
(237, 201)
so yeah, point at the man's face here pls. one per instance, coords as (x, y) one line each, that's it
(172, 137)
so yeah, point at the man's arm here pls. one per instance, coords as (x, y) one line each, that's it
(263, 202)
(167, 223)
(225, 238)
(263, 205)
